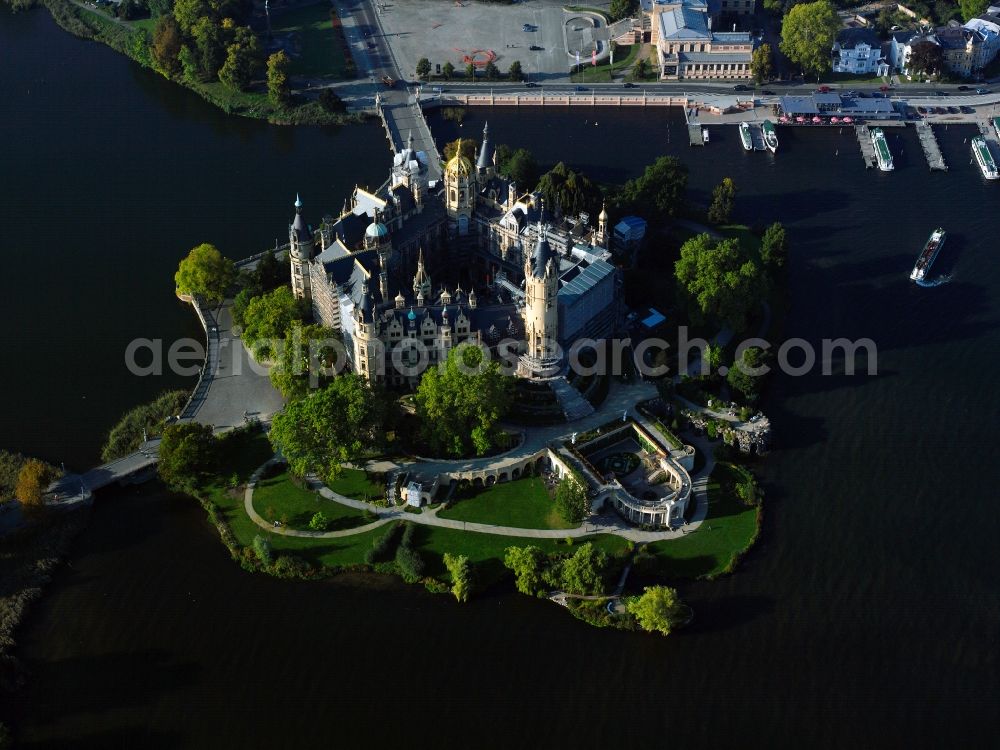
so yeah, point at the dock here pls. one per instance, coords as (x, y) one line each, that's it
(757, 136)
(867, 147)
(928, 142)
(695, 135)
(986, 128)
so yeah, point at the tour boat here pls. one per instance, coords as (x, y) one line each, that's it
(882, 152)
(930, 252)
(746, 137)
(996, 125)
(770, 136)
(981, 151)
(704, 134)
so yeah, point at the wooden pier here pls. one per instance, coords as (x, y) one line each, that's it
(757, 136)
(935, 160)
(695, 135)
(867, 147)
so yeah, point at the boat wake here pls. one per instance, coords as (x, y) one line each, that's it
(935, 282)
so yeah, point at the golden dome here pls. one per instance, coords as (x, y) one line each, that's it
(459, 165)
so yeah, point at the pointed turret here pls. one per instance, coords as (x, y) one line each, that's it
(485, 152)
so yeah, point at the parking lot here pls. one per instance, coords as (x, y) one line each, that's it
(444, 30)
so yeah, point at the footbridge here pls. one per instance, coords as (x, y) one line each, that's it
(403, 118)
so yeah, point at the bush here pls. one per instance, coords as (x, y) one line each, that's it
(126, 436)
(318, 522)
(460, 570)
(262, 548)
(410, 563)
(291, 566)
(383, 548)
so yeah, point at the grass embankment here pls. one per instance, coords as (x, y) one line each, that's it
(142, 421)
(625, 57)
(729, 530)
(317, 51)
(280, 498)
(523, 504)
(246, 452)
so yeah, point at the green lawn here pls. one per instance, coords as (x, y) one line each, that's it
(355, 484)
(317, 48)
(729, 530)
(523, 504)
(625, 57)
(279, 498)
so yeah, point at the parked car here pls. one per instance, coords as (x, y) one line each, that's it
(767, 92)
(581, 88)
(628, 85)
(982, 91)
(862, 95)
(740, 87)
(952, 110)
(824, 89)
(531, 85)
(852, 93)
(922, 110)
(535, 48)
(967, 109)
(963, 88)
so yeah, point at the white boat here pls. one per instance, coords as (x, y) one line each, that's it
(996, 125)
(928, 255)
(770, 136)
(746, 137)
(981, 150)
(882, 153)
(704, 134)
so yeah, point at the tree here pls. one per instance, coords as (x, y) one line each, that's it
(460, 570)
(318, 522)
(468, 149)
(925, 57)
(526, 563)
(491, 71)
(641, 68)
(167, 46)
(423, 68)
(330, 101)
(188, 452)
(410, 563)
(571, 500)
(762, 63)
(744, 376)
(262, 548)
(723, 198)
(268, 318)
(470, 72)
(774, 246)
(972, 8)
(210, 43)
(883, 23)
(519, 166)
(720, 279)
(569, 191)
(189, 12)
(308, 353)
(659, 609)
(205, 273)
(515, 73)
(32, 480)
(583, 573)
(159, 8)
(242, 59)
(620, 9)
(447, 70)
(278, 88)
(807, 35)
(661, 187)
(329, 427)
(460, 404)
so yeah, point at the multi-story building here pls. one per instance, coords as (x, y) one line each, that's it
(859, 51)
(539, 280)
(688, 47)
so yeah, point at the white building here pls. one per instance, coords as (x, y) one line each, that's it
(859, 51)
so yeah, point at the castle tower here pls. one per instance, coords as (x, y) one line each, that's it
(541, 312)
(484, 166)
(367, 345)
(459, 190)
(601, 237)
(377, 239)
(300, 252)
(421, 281)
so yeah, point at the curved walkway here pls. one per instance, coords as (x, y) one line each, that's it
(600, 525)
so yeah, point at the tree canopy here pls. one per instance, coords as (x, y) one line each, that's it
(460, 570)
(188, 452)
(308, 353)
(571, 500)
(659, 609)
(723, 201)
(925, 57)
(658, 192)
(328, 427)
(569, 191)
(774, 246)
(32, 480)
(743, 377)
(808, 32)
(622, 9)
(583, 572)
(762, 64)
(268, 318)
(423, 68)
(972, 8)
(278, 88)
(721, 278)
(460, 404)
(517, 165)
(205, 273)
(526, 564)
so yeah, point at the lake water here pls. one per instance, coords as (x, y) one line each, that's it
(867, 614)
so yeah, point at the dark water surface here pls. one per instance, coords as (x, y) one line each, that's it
(868, 615)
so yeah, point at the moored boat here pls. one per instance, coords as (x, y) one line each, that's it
(746, 137)
(704, 134)
(928, 255)
(770, 136)
(996, 125)
(882, 153)
(981, 150)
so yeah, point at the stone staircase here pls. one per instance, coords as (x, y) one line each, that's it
(574, 405)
